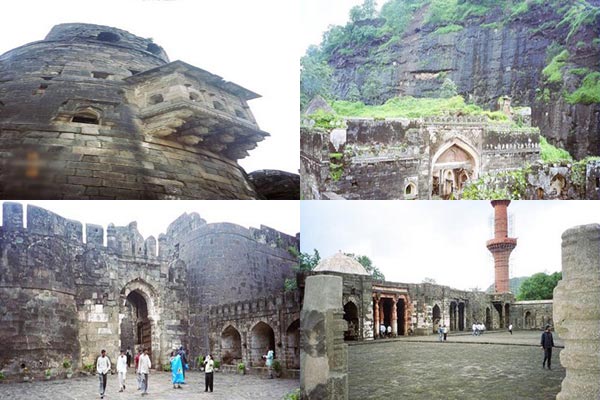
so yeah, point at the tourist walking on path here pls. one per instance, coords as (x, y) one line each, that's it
(129, 357)
(510, 328)
(389, 331)
(176, 371)
(474, 327)
(102, 367)
(269, 362)
(137, 369)
(122, 370)
(208, 373)
(445, 330)
(441, 333)
(382, 330)
(144, 367)
(184, 361)
(547, 343)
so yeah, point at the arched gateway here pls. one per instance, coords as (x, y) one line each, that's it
(138, 317)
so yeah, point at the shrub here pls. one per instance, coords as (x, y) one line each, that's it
(552, 72)
(276, 366)
(293, 395)
(89, 368)
(217, 364)
(2, 375)
(448, 29)
(48, 372)
(241, 367)
(166, 367)
(588, 92)
(550, 153)
(66, 364)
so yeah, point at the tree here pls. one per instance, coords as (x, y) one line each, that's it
(429, 280)
(306, 262)
(367, 10)
(315, 76)
(368, 265)
(539, 286)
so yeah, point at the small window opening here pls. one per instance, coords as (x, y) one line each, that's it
(240, 114)
(597, 178)
(408, 189)
(194, 96)
(153, 48)
(100, 75)
(134, 72)
(47, 78)
(218, 106)
(86, 117)
(155, 99)
(108, 37)
(187, 84)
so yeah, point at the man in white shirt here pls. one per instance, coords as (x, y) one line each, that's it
(102, 367)
(389, 331)
(122, 370)
(208, 373)
(144, 370)
(382, 330)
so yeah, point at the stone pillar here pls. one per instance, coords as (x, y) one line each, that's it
(501, 245)
(576, 312)
(381, 313)
(323, 353)
(12, 215)
(376, 324)
(395, 317)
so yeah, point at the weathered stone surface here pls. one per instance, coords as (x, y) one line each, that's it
(276, 185)
(63, 299)
(96, 112)
(577, 312)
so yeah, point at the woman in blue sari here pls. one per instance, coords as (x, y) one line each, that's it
(177, 371)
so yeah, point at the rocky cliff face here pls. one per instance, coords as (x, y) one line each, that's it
(485, 57)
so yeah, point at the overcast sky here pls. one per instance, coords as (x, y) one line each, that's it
(153, 217)
(252, 43)
(442, 240)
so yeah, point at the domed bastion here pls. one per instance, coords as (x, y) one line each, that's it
(94, 112)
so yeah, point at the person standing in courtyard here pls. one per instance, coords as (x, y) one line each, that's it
(547, 343)
(389, 331)
(445, 331)
(510, 328)
(122, 370)
(382, 330)
(144, 368)
(176, 370)
(182, 354)
(137, 369)
(208, 373)
(102, 367)
(440, 333)
(269, 361)
(129, 357)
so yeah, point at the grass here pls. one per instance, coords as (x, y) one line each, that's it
(588, 92)
(411, 107)
(552, 72)
(549, 153)
(448, 29)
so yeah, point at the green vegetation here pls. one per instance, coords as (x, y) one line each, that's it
(306, 263)
(241, 367)
(576, 14)
(448, 29)
(579, 71)
(166, 367)
(2, 375)
(550, 153)
(293, 395)
(315, 76)
(217, 364)
(368, 265)
(588, 92)
(66, 364)
(509, 185)
(411, 107)
(325, 120)
(539, 286)
(89, 368)
(552, 72)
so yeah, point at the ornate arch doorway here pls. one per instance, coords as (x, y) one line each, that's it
(453, 166)
(138, 318)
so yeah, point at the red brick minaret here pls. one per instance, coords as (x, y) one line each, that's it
(501, 245)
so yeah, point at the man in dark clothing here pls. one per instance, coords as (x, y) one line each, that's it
(181, 353)
(547, 343)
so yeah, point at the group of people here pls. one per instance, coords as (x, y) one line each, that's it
(142, 368)
(385, 332)
(478, 329)
(442, 333)
(178, 362)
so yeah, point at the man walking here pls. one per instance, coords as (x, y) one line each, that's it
(510, 328)
(269, 362)
(137, 369)
(145, 366)
(208, 373)
(547, 343)
(122, 370)
(102, 367)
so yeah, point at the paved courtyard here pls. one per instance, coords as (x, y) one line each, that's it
(226, 386)
(492, 366)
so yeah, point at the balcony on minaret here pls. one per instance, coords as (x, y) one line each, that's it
(179, 102)
(501, 244)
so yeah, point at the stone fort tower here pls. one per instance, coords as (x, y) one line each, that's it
(65, 298)
(96, 112)
(501, 246)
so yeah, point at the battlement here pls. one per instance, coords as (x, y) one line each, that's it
(104, 35)
(288, 300)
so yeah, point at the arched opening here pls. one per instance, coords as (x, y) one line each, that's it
(110, 37)
(539, 193)
(558, 184)
(136, 326)
(292, 335)
(262, 339)
(155, 99)
(153, 48)
(86, 116)
(231, 346)
(454, 166)
(400, 316)
(351, 317)
(194, 96)
(437, 316)
(528, 320)
(488, 318)
(410, 190)
(218, 106)
(240, 114)
(506, 315)
(461, 316)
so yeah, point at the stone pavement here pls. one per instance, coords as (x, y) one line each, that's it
(226, 386)
(492, 366)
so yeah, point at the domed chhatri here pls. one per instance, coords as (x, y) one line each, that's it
(342, 264)
(96, 112)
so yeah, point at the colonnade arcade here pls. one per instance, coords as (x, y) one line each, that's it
(391, 307)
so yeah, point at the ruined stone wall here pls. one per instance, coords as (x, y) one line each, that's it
(280, 313)
(531, 314)
(115, 152)
(395, 158)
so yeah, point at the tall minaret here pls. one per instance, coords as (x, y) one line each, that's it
(501, 245)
